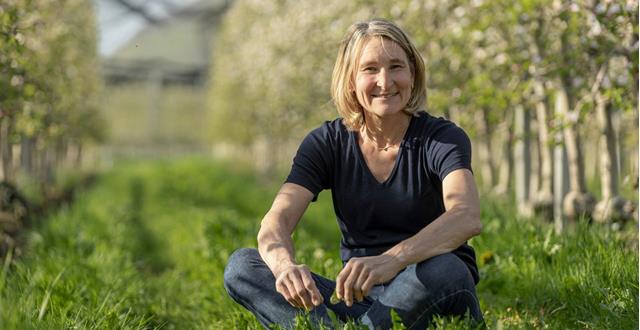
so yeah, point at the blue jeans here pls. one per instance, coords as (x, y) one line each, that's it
(441, 285)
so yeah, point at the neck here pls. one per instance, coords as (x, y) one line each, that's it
(385, 131)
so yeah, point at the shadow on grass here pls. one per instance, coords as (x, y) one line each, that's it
(147, 250)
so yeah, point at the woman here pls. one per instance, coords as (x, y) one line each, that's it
(403, 193)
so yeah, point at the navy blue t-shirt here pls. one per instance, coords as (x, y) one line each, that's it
(375, 216)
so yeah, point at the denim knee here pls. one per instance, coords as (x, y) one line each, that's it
(440, 285)
(239, 268)
(444, 272)
(449, 276)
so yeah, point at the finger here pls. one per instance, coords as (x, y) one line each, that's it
(342, 276)
(349, 283)
(300, 291)
(357, 295)
(295, 298)
(310, 285)
(367, 285)
(358, 286)
(283, 287)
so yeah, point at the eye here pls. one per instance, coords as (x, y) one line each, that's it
(370, 69)
(397, 66)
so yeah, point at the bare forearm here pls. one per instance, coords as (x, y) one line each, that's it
(275, 244)
(443, 235)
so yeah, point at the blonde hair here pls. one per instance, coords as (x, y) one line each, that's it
(343, 77)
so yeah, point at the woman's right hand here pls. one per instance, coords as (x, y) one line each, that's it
(293, 281)
(295, 284)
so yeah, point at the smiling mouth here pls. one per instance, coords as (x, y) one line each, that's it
(386, 96)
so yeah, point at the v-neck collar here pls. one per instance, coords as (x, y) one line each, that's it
(365, 166)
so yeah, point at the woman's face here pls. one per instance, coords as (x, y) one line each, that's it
(383, 78)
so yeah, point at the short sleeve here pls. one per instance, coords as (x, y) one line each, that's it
(312, 164)
(449, 149)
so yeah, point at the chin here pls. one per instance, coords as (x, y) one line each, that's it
(386, 112)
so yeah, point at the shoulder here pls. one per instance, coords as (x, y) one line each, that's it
(446, 146)
(329, 131)
(325, 139)
(437, 129)
(332, 126)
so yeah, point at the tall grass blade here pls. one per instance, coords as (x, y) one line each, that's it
(47, 295)
(5, 268)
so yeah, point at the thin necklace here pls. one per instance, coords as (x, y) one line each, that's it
(390, 145)
(385, 148)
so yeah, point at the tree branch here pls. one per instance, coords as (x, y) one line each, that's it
(138, 10)
(595, 87)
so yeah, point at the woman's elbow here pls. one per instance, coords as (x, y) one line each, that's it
(272, 226)
(261, 235)
(475, 225)
(476, 228)
(265, 230)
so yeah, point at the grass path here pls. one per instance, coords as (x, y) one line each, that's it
(146, 247)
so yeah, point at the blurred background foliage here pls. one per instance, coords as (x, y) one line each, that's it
(271, 65)
(49, 85)
(543, 76)
(270, 78)
(543, 88)
(552, 62)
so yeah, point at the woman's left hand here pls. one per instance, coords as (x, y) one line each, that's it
(360, 274)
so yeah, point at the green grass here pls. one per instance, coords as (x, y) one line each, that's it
(146, 247)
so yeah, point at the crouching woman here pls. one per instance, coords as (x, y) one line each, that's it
(403, 193)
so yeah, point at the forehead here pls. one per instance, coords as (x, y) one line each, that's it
(379, 48)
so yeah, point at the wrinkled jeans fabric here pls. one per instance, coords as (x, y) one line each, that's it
(441, 285)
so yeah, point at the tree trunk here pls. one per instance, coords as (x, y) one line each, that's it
(26, 155)
(484, 149)
(574, 152)
(543, 203)
(506, 162)
(619, 155)
(560, 177)
(630, 159)
(608, 166)
(6, 149)
(78, 159)
(45, 171)
(612, 207)
(577, 202)
(636, 119)
(50, 167)
(59, 153)
(522, 160)
(534, 161)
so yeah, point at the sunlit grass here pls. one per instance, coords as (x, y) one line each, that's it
(146, 247)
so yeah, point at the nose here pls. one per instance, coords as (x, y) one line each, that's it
(384, 79)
